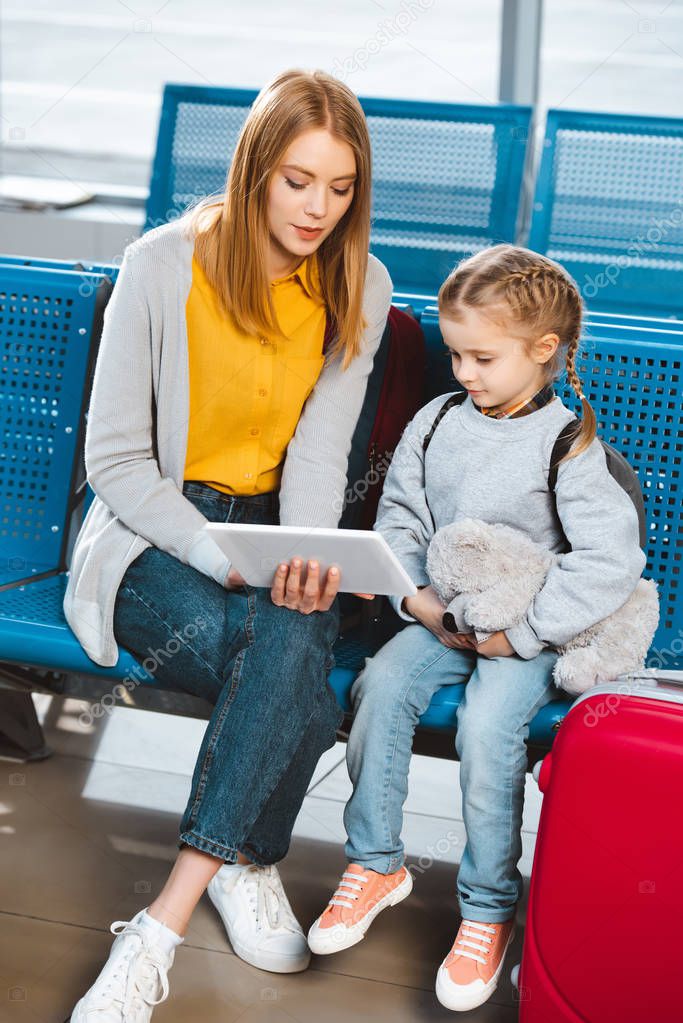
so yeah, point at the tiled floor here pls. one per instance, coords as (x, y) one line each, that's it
(89, 836)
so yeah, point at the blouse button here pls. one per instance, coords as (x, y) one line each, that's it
(263, 392)
(255, 432)
(247, 475)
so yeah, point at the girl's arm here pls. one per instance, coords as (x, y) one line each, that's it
(314, 476)
(119, 452)
(403, 515)
(604, 564)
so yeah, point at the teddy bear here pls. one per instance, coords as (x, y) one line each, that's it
(488, 574)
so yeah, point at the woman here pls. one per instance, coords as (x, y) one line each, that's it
(214, 400)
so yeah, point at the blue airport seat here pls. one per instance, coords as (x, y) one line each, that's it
(619, 375)
(621, 367)
(79, 266)
(637, 328)
(425, 218)
(35, 634)
(633, 320)
(608, 207)
(428, 213)
(48, 322)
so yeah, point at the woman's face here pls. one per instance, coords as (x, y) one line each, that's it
(310, 191)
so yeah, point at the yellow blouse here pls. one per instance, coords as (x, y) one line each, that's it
(246, 391)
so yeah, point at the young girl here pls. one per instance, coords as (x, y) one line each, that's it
(511, 321)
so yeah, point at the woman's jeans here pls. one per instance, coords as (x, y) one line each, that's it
(501, 696)
(265, 669)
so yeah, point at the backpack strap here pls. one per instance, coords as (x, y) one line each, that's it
(561, 447)
(618, 467)
(454, 399)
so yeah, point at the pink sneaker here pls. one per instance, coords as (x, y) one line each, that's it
(469, 974)
(360, 896)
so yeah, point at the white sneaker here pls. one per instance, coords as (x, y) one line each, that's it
(133, 980)
(258, 917)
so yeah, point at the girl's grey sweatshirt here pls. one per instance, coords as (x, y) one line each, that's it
(497, 470)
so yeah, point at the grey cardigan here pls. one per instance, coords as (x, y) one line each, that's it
(137, 430)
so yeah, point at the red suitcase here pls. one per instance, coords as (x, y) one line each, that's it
(604, 931)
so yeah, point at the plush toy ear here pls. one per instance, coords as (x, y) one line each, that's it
(578, 670)
(613, 647)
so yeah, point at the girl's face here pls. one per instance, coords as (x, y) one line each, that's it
(495, 367)
(310, 191)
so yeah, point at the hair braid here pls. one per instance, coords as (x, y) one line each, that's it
(589, 426)
(572, 375)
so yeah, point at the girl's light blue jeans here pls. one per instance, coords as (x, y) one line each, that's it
(501, 696)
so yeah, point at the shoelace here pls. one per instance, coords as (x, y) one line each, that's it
(479, 932)
(138, 964)
(267, 897)
(353, 882)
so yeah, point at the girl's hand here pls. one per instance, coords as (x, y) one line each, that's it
(426, 606)
(313, 595)
(497, 645)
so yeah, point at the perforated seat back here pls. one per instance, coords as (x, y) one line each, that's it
(609, 207)
(47, 323)
(635, 390)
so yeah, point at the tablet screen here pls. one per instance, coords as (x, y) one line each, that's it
(366, 562)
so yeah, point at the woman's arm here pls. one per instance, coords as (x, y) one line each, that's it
(600, 572)
(119, 452)
(314, 476)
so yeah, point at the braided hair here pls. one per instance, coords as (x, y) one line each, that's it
(530, 295)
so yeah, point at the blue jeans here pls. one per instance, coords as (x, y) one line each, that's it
(500, 698)
(263, 667)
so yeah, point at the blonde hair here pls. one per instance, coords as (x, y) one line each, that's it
(531, 295)
(231, 230)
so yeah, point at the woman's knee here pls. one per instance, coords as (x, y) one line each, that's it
(282, 625)
(182, 650)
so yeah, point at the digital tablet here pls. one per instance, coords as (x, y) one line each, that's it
(365, 561)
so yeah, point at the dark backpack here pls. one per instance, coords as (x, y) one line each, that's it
(617, 465)
(395, 392)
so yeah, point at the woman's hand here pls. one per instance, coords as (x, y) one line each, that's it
(313, 595)
(288, 591)
(426, 606)
(497, 645)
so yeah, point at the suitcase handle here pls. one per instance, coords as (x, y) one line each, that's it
(657, 675)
